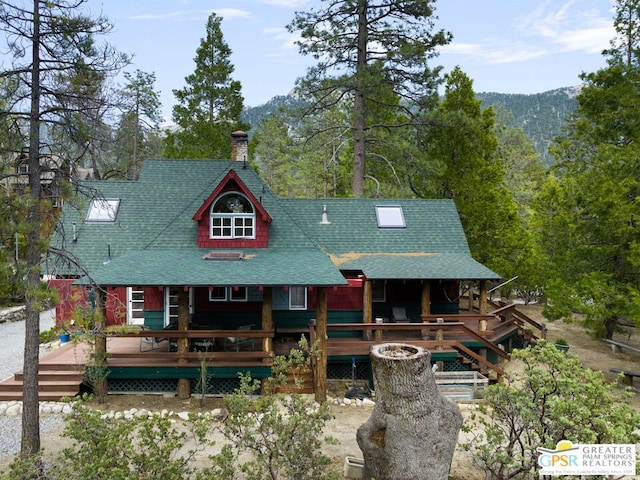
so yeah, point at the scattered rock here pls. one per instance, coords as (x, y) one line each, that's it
(183, 415)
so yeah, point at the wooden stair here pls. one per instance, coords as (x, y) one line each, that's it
(55, 381)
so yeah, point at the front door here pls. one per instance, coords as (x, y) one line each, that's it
(135, 306)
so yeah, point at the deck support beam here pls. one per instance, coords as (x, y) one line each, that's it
(483, 304)
(367, 307)
(184, 384)
(425, 305)
(320, 377)
(100, 383)
(267, 317)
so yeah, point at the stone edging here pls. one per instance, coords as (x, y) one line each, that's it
(13, 314)
(13, 408)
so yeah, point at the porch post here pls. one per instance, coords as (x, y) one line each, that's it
(484, 296)
(425, 306)
(101, 382)
(367, 307)
(267, 317)
(320, 377)
(483, 304)
(184, 385)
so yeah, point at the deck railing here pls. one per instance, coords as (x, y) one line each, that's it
(446, 335)
(224, 357)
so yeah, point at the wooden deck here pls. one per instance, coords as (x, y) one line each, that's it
(465, 335)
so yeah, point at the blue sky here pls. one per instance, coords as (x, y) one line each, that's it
(507, 46)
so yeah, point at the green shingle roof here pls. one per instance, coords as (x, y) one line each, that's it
(432, 245)
(153, 240)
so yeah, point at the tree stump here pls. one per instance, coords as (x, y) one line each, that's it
(413, 430)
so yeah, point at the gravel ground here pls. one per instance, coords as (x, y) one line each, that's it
(11, 357)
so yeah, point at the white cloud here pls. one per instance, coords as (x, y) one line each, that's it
(287, 3)
(572, 26)
(495, 52)
(282, 37)
(551, 28)
(226, 13)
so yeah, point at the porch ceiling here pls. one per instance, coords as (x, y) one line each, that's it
(187, 267)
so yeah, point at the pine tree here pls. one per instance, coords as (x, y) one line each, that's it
(209, 106)
(364, 47)
(461, 162)
(139, 127)
(586, 213)
(55, 58)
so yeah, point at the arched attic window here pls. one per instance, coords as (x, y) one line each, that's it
(232, 216)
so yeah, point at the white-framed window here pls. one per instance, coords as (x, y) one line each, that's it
(297, 298)
(238, 294)
(23, 168)
(378, 291)
(171, 304)
(232, 216)
(228, 294)
(218, 294)
(103, 210)
(135, 306)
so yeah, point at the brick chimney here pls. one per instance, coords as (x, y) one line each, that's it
(239, 146)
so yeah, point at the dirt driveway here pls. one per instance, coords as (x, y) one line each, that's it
(594, 354)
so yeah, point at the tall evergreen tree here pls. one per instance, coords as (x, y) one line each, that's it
(139, 129)
(461, 162)
(363, 47)
(209, 106)
(587, 213)
(48, 41)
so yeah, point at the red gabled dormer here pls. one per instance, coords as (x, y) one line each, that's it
(232, 217)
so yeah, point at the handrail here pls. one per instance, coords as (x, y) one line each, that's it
(193, 333)
(446, 326)
(521, 317)
(479, 358)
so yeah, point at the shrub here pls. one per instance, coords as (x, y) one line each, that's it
(281, 433)
(554, 398)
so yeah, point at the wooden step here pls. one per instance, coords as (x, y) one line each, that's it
(13, 385)
(42, 396)
(55, 381)
(53, 375)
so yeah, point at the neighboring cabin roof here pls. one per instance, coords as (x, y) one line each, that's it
(153, 241)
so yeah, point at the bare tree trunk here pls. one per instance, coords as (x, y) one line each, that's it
(413, 430)
(359, 106)
(30, 407)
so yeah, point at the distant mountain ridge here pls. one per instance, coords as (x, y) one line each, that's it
(541, 115)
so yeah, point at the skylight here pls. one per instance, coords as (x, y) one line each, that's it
(103, 210)
(390, 216)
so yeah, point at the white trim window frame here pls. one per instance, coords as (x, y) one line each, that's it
(232, 216)
(297, 298)
(238, 294)
(171, 304)
(135, 306)
(218, 294)
(229, 294)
